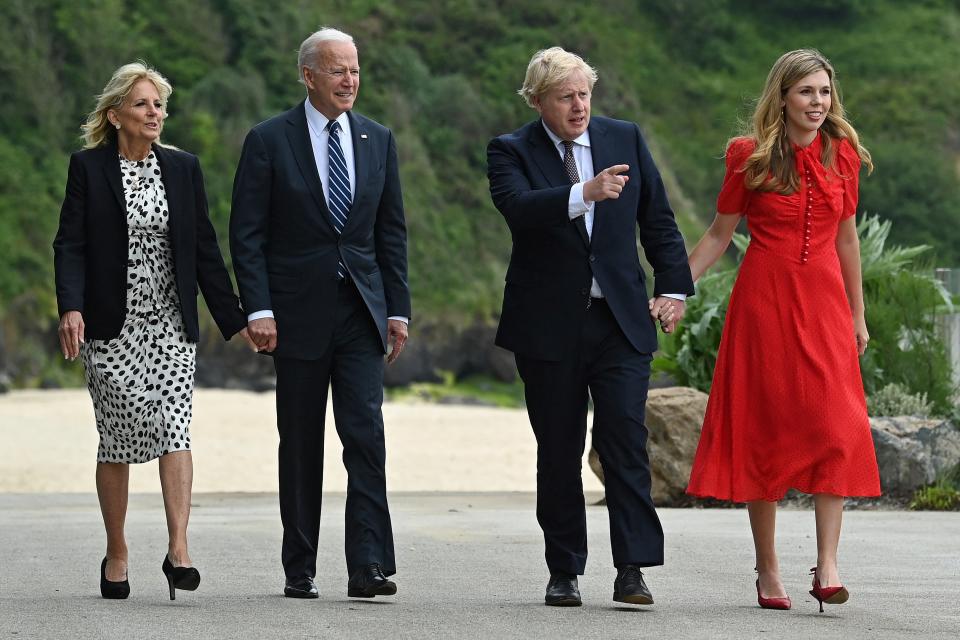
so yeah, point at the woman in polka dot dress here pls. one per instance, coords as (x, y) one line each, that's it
(133, 248)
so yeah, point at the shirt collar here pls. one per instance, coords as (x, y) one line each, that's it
(318, 122)
(583, 139)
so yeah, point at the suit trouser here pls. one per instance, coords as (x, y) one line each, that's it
(353, 369)
(606, 366)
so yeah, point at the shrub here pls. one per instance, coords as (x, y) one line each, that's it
(902, 301)
(895, 400)
(938, 497)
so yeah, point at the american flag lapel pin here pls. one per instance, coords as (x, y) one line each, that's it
(363, 136)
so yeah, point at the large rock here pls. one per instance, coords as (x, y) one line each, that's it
(913, 452)
(674, 418)
(462, 351)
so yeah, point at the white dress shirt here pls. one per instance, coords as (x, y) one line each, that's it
(576, 205)
(320, 142)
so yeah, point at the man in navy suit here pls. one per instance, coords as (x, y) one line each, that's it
(319, 248)
(576, 192)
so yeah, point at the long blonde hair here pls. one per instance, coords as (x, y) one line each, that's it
(97, 130)
(771, 166)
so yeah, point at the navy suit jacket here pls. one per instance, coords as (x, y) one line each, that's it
(553, 260)
(284, 247)
(90, 250)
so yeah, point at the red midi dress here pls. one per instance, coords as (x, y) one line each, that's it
(787, 408)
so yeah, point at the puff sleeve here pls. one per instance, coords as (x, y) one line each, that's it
(734, 196)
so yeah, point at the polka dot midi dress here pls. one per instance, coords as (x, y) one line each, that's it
(141, 382)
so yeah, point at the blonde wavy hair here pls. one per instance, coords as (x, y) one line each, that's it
(550, 68)
(771, 166)
(97, 130)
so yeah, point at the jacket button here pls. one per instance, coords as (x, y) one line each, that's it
(593, 258)
(584, 291)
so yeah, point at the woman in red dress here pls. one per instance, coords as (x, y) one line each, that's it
(787, 407)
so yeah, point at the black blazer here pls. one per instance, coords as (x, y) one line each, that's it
(284, 246)
(553, 260)
(90, 250)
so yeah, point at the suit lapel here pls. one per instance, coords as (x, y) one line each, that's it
(298, 135)
(362, 158)
(547, 157)
(111, 171)
(603, 158)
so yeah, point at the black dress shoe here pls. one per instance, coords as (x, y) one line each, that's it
(629, 586)
(369, 582)
(562, 591)
(301, 588)
(112, 590)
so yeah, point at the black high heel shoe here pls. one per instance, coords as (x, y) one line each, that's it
(112, 590)
(186, 578)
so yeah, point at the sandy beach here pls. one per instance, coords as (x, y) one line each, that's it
(50, 444)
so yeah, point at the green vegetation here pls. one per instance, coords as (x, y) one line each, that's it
(942, 495)
(443, 75)
(935, 498)
(895, 400)
(470, 390)
(902, 300)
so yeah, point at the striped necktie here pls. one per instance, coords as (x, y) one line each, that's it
(338, 186)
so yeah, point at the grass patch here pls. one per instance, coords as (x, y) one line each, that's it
(473, 390)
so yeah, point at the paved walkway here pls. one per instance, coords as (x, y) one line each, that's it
(470, 567)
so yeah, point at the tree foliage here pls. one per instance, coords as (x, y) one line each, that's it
(443, 75)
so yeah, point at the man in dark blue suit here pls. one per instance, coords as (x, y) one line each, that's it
(319, 247)
(576, 192)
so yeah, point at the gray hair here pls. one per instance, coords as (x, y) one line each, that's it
(309, 47)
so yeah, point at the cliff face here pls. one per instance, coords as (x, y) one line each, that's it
(443, 76)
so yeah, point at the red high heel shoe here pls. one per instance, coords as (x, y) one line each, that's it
(772, 603)
(830, 595)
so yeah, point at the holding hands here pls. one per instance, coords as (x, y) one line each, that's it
(245, 334)
(607, 184)
(262, 334)
(667, 311)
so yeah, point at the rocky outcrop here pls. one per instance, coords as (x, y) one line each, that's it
(461, 351)
(913, 452)
(431, 350)
(674, 418)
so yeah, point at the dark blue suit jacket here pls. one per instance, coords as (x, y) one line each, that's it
(284, 246)
(553, 260)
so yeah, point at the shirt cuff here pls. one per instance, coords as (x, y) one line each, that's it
(405, 320)
(256, 315)
(676, 296)
(576, 207)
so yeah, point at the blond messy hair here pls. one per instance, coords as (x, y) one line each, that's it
(771, 166)
(549, 68)
(97, 130)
